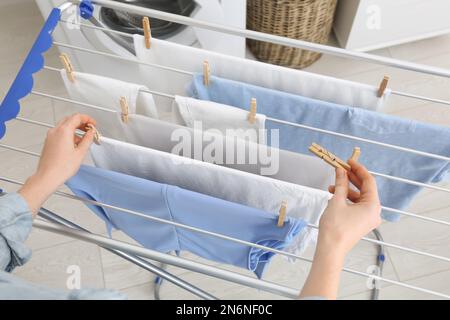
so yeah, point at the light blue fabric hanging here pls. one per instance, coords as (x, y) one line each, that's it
(347, 120)
(189, 208)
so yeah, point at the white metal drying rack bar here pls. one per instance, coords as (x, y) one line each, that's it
(387, 145)
(385, 176)
(204, 269)
(277, 40)
(402, 212)
(290, 255)
(274, 39)
(111, 55)
(407, 181)
(111, 245)
(146, 265)
(232, 239)
(249, 34)
(182, 262)
(128, 35)
(146, 252)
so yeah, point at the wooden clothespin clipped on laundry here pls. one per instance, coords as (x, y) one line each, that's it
(282, 214)
(206, 73)
(356, 153)
(68, 66)
(147, 32)
(97, 135)
(125, 109)
(328, 157)
(383, 86)
(252, 115)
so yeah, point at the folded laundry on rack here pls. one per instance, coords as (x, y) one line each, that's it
(197, 142)
(227, 151)
(350, 121)
(299, 82)
(224, 183)
(189, 208)
(227, 120)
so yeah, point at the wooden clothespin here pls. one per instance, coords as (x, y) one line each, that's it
(206, 73)
(383, 86)
(125, 109)
(97, 135)
(356, 153)
(252, 115)
(147, 32)
(282, 214)
(68, 66)
(328, 157)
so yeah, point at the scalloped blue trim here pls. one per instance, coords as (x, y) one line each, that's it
(23, 84)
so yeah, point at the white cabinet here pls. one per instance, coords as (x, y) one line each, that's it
(371, 24)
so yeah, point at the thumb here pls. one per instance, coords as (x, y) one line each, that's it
(86, 142)
(341, 186)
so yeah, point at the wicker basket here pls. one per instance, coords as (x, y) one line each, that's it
(309, 20)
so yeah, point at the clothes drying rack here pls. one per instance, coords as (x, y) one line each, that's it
(23, 86)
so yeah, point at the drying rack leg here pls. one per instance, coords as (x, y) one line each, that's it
(158, 283)
(159, 272)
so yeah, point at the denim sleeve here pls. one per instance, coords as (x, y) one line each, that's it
(15, 226)
(14, 288)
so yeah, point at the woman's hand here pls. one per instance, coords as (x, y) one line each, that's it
(341, 226)
(61, 158)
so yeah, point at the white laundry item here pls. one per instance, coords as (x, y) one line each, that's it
(217, 181)
(228, 120)
(293, 81)
(106, 93)
(255, 158)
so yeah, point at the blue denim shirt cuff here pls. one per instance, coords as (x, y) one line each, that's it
(15, 225)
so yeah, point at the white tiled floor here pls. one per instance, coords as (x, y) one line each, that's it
(53, 253)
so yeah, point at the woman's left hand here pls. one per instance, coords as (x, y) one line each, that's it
(61, 157)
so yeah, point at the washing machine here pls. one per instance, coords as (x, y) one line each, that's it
(227, 12)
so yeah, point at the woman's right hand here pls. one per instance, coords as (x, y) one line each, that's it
(341, 226)
(343, 223)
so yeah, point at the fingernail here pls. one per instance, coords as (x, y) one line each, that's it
(340, 172)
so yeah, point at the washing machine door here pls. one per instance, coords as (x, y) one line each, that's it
(130, 23)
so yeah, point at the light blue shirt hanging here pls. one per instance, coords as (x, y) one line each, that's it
(189, 208)
(347, 120)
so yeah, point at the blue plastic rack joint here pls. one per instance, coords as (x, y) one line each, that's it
(86, 9)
